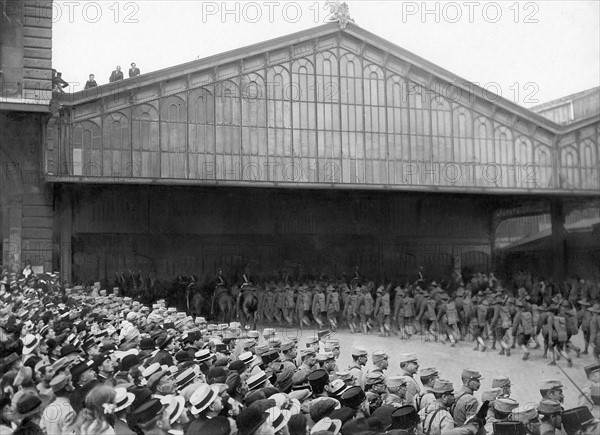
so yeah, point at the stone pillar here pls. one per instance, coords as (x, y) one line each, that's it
(559, 239)
(66, 229)
(13, 232)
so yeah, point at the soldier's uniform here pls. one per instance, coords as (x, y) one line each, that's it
(595, 329)
(501, 322)
(333, 306)
(436, 419)
(377, 357)
(425, 396)
(522, 327)
(287, 361)
(289, 304)
(304, 368)
(442, 318)
(548, 408)
(526, 414)
(465, 405)
(279, 305)
(427, 317)
(365, 309)
(319, 308)
(412, 387)
(351, 309)
(396, 395)
(355, 369)
(499, 411)
(591, 391)
(479, 321)
(585, 317)
(269, 305)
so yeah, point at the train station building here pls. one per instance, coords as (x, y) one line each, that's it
(316, 152)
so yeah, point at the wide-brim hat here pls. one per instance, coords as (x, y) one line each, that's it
(123, 398)
(595, 308)
(28, 405)
(278, 418)
(202, 398)
(337, 387)
(175, 406)
(30, 343)
(203, 355)
(327, 424)
(257, 380)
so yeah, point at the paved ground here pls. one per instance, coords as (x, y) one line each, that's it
(450, 361)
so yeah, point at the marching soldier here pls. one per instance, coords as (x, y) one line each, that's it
(569, 313)
(269, 304)
(522, 327)
(466, 404)
(427, 317)
(595, 329)
(333, 306)
(289, 305)
(351, 310)
(279, 304)
(319, 309)
(585, 317)
(558, 335)
(365, 309)
(500, 324)
(303, 305)
(382, 311)
(443, 319)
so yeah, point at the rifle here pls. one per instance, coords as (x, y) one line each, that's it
(576, 386)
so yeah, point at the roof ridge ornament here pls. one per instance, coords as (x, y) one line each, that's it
(341, 14)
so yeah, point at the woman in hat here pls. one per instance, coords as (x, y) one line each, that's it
(97, 418)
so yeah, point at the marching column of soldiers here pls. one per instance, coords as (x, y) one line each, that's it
(483, 311)
(80, 360)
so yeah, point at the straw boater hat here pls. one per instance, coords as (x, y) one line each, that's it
(123, 399)
(175, 406)
(278, 418)
(203, 397)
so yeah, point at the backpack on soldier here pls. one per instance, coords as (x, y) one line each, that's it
(451, 313)
(572, 325)
(560, 325)
(527, 323)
